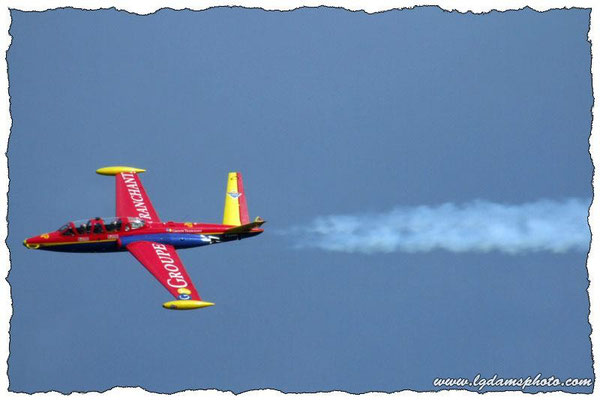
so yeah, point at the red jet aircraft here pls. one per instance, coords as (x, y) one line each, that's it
(138, 229)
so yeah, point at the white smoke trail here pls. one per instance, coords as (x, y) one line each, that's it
(477, 226)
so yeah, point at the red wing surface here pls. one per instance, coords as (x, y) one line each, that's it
(132, 200)
(163, 262)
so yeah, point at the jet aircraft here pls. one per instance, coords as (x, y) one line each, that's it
(138, 229)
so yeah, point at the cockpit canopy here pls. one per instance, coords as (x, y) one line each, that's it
(101, 225)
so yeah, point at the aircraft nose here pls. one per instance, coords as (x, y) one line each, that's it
(32, 246)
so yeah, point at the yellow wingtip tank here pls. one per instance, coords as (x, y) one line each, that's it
(110, 171)
(186, 304)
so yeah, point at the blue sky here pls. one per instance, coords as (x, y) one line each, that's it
(326, 112)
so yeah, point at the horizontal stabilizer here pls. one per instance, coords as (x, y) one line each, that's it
(117, 170)
(247, 227)
(186, 304)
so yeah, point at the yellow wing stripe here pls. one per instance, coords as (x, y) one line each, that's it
(82, 242)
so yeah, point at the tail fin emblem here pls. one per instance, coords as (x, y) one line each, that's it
(234, 195)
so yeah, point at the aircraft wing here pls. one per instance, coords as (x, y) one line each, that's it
(132, 200)
(163, 262)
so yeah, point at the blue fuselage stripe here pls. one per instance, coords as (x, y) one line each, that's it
(177, 240)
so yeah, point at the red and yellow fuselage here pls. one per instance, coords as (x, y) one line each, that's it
(101, 237)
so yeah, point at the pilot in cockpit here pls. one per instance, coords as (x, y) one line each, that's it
(114, 226)
(81, 228)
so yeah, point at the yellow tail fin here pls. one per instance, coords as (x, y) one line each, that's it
(236, 209)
